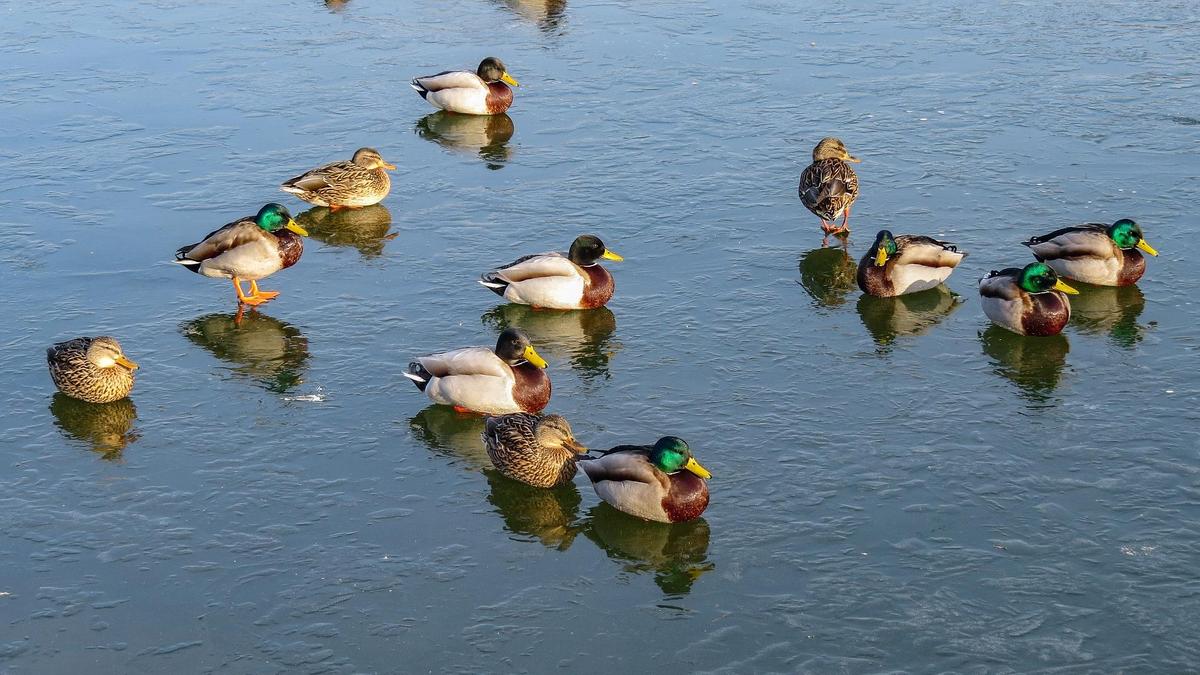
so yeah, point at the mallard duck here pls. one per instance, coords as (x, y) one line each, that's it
(553, 280)
(1028, 301)
(663, 482)
(506, 379)
(363, 181)
(92, 369)
(248, 249)
(828, 187)
(1093, 253)
(534, 449)
(483, 92)
(906, 264)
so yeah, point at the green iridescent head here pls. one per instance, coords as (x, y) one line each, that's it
(883, 248)
(671, 454)
(1038, 277)
(1128, 234)
(275, 216)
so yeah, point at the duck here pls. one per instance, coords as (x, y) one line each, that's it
(92, 369)
(553, 280)
(828, 187)
(248, 249)
(507, 379)
(483, 92)
(1094, 253)
(906, 264)
(538, 450)
(362, 181)
(663, 482)
(1028, 301)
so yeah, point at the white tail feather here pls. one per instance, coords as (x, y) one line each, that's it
(187, 262)
(414, 378)
(490, 284)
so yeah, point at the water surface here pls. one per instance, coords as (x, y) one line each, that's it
(898, 486)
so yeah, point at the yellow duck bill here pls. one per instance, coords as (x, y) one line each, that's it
(530, 354)
(1146, 247)
(695, 468)
(1060, 286)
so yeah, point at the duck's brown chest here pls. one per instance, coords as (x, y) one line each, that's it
(1133, 266)
(1046, 313)
(499, 97)
(687, 498)
(599, 288)
(874, 280)
(291, 247)
(532, 388)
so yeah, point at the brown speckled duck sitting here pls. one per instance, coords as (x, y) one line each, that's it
(363, 181)
(92, 369)
(540, 451)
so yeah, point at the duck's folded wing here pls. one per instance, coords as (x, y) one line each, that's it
(824, 181)
(927, 251)
(451, 79)
(231, 236)
(549, 264)
(624, 465)
(467, 361)
(1081, 241)
(320, 178)
(1002, 284)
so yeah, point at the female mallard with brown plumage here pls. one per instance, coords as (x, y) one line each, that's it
(905, 264)
(1094, 253)
(828, 187)
(1029, 301)
(248, 249)
(363, 181)
(92, 369)
(483, 92)
(572, 280)
(662, 482)
(540, 451)
(506, 379)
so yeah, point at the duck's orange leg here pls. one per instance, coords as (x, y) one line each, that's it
(263, 295)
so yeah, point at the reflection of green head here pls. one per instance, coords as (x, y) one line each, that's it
(1125, 232)
(1037, 278)
(272, 217)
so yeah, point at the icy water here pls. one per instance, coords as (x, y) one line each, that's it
(897, 486)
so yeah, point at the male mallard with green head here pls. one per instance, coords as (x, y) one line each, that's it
(483, 92)
(1029, 301)
(363, 181)
(92, 369)
(248, 249)
(662, 482)
(1103, 255)
(538, 450)
(828, 187)
(507, 379)
(905, 264)
(572, 280)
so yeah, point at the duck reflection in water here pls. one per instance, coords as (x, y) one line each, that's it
(365, 229)
(546, 515)
(106, 428)
(447, 432)
(1034, 364)
(547, 14)
(258, 347)
(484, 135)
(905, 315)
(828, 275)
(676, 554)
(584, 337)
(1114, 310)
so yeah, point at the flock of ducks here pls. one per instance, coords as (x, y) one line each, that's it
(508, 384)
(1030, 300)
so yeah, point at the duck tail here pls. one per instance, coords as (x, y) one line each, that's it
(492, 281)
(182, 259)
(418, 374)
(418, 88)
